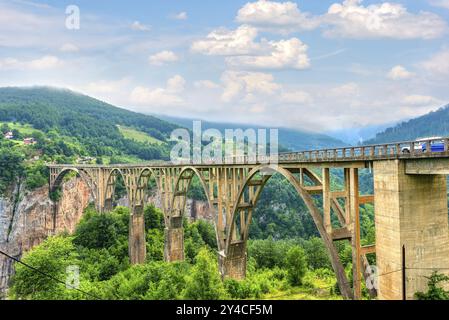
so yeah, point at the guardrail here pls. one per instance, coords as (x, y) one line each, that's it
(406, 149)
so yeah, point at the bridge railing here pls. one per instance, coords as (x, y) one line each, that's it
(406, 149)
(419, 148)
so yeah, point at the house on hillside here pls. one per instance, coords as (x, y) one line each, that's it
(8, 135)
(29, 141)
(86, 160)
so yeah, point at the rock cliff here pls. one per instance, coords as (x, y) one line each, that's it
(28, 217)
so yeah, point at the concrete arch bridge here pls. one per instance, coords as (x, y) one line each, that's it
(410, 200)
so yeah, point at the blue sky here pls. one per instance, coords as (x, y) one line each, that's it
(315, 65)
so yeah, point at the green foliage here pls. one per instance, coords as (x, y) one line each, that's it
(268, 253)
(101, 230)
(154, 218)
(434, 292)
(317, 255)
(204, 282)
(91, 122)
(296, 264)
(155, 245)
(280, 213)
(36, 175)
(11, 165)
(52, 257)
(197, 235)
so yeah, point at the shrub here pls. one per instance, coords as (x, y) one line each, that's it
(434, 292)
(204, 282)
(296, 265)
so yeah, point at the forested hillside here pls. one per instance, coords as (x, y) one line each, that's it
(93, 123)
(435, 123)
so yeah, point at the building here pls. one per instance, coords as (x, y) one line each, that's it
(28, 141)
(8, 135)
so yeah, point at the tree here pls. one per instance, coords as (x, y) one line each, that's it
(434, 291)
(96, 231)
(296, 265)
(317, 255)
(154, 218)
(204, 281)
(52, 257)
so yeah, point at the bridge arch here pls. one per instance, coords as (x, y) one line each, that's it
(84, 175)
(182, 185)
(308, 200)
(110, 187)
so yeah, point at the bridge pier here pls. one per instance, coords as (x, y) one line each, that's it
(410, 211)
(233, 266)
(108, 205)
(137, 241)
(174, 240)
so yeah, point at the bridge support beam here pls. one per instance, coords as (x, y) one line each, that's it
(174, 240)
(233, 266)
(137, 241)
(410, 211)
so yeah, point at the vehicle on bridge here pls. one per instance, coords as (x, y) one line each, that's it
(436, 145)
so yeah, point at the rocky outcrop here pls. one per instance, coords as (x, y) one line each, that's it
(29, 217)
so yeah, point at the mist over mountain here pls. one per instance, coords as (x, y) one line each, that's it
(295, 140)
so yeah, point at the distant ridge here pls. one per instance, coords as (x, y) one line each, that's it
(295, 140)
(435, 123)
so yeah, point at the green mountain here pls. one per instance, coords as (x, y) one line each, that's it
(291, 139)
(102, 129)
(435, 123)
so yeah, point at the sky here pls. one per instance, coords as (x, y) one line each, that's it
(313, 65)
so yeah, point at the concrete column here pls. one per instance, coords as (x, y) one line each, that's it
(137, 241)
(107, 205)
(233, 266)
(174, 240)
(410, 210)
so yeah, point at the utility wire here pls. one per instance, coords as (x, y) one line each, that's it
(47, 275)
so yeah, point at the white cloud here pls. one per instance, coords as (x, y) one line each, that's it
(176, 84)
(438, 64)
(440, 3)
(180, 16)
(351, 19)
(160, 97)
(243, 86)
(282, 54)
(138, 26)
(296, 97)
(206, 84)
(107, 86)
(163, 57)
(276, 14)
(245, 51)
(399, 73)
(224, 42)
(350, 89)
(420, 100)
(43, 63)
(69, 47)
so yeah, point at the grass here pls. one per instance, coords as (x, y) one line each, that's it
(317, 285)
(139, 136)
(25, 129)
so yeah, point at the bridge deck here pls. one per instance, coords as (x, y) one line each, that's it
(358, 156)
